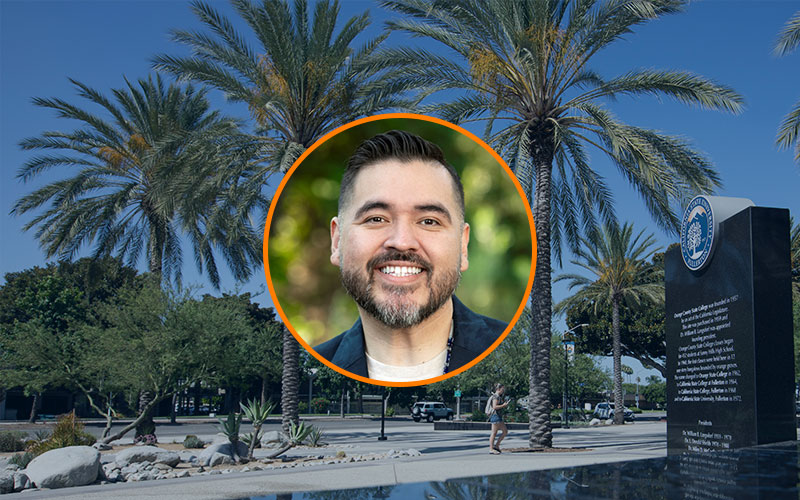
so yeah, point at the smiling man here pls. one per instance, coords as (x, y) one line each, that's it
(400, 242)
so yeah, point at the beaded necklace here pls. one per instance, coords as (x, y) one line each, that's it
(449, 349)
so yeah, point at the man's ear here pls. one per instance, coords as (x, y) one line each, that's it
(464, 245)
(335, 233)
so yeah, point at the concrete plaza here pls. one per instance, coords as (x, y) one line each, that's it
(444, 455)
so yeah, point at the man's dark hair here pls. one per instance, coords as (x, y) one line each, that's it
(398, 145)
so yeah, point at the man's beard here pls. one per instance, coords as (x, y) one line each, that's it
(396, 311)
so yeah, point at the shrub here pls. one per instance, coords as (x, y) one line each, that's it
(636, 410)
(12, 441)
(68, 431)
(302, 407)
(319, 405)
(478, 415)
(193, 441)
(21, 459)
(390, 411)
(340, 454)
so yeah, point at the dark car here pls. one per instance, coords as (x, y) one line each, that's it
(430, 411)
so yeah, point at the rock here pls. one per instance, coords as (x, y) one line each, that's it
(219, 459)
(129, 469)
(21, 481)
(223, 448)
(187, 456)
(65, 467)
(147, 454)
(3, 463)
(108, 458)
(594, 422)
(12, 467)
(183, 473)
(114, 476)
(272, 437)
(101, 446)
(213, 472)
(220, 438)
(6, 481)
(609, 421)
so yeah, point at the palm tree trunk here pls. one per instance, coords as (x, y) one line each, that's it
(619, 412)
(290, 382)
(541, 433)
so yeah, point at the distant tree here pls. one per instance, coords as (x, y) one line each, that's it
(161, 342)
(789, 130)
(655, 391)
(620, 277)
(584, 375)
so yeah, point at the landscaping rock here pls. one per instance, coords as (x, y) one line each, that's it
(183, 473)
(272, 438)
(108, 458)
(21, 481)
(12, 467)
(219, 459)
(147, 454)
(101, 446)
(594, 422)
(65, 467)
(224, 448)
(187, 456)
(6, 481)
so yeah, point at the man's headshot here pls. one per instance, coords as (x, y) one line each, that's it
(401, 243)
(400, 239)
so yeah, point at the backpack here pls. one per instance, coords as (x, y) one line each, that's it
(489, 411)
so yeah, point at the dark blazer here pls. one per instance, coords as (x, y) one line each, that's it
(472, 334)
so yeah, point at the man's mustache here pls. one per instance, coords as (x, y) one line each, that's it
(395, 255)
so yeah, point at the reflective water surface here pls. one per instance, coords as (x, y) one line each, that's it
(763, 472)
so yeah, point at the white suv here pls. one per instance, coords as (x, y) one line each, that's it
(430, 411)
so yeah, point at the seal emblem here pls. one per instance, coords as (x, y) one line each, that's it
(697, 233)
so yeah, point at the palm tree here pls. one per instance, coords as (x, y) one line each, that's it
(620, 276)
(144, 175)
(524, 68)
(789, 131)
(301, 83)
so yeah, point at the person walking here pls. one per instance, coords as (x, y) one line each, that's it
(494, 408)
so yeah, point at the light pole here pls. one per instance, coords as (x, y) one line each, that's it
(311, 381)
(566, 342)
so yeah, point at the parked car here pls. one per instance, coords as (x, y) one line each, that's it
(430, 411)
(606, 410)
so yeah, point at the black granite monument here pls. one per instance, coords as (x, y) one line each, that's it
(730, 361)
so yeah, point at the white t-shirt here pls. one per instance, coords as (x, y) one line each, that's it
(391, 373)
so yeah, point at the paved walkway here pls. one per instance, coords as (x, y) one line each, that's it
(445, 455)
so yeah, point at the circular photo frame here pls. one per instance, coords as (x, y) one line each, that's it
(418, 232)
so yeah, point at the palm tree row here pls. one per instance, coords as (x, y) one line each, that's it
(621, 276)
(520, 66)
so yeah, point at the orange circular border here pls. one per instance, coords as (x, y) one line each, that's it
(411, 116)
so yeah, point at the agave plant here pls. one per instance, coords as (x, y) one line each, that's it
(297, 434)
(315, 436)
(230, 428)
(257, 413)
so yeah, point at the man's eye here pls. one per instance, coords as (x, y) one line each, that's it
(430, 222)
(375, 219)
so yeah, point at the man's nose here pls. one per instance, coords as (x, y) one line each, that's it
(402, 236)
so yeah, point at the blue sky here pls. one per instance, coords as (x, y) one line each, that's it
(42, 43)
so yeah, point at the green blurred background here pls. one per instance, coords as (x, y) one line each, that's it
(307, 284)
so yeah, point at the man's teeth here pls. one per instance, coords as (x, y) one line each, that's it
(401, 270)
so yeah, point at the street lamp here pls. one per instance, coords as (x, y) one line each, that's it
(311, 381)
(565, 341)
